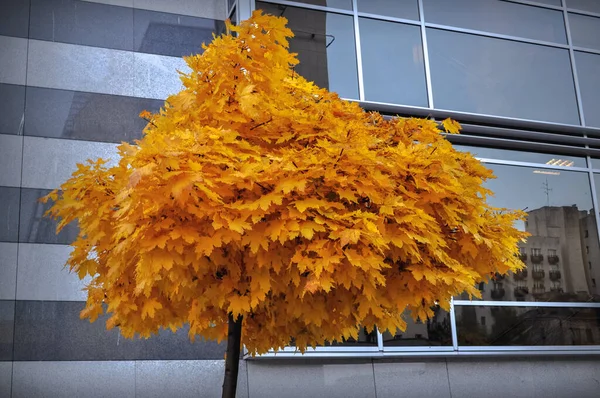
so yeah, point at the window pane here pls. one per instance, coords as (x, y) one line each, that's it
(501, 77)
(403, 60)
(343, 4)
(498, 17)
(433, 332)
(585, 31)
(325, 46)
(527, 326)
(559, 212)
(550, 2)
(365, 338)
(584, 5)
(588, 66)
(407, 9)
(521, 156)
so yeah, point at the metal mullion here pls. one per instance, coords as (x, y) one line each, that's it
(357, 44)
(531, 165)
(453, 328)
(426, 56)
(581, 12)
(586, 50)
(487, 303)
(573, 65)
(530, 348)
(419, 349)
(244, 9)
(310, 6)
(380, 17)
(496, 35)
(535, 4)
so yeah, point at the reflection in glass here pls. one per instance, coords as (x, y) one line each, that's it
(325, 46)
(501, 77)
(432, 332)
(343, 4)
(557, 3)
(584, 5)
(564, 238)
(522, 156)
(501, 17)
(407, 9)
(403, 62)
(588, 66)
(585, 31)
(527, 326)
(365, 338)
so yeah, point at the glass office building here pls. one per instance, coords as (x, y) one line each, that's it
(523, 79)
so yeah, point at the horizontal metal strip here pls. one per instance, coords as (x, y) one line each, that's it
(582, 12)
(528, 134)
(522, 145)
(462, 351)
(526, 304)
(495, 35)
(488, 120)
(308, 6)
(535, 4)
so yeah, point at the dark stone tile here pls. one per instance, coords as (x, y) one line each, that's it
(9, 214)
(12, 107)
(7, 319)
(14, 18)
(171, 34)
(81, 22)
(34, 227)
(53, 331)
(85, 116)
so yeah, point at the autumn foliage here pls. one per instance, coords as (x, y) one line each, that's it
(256, 193)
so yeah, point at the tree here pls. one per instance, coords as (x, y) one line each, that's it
(259, 207)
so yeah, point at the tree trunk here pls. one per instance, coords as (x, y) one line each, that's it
(232, 360)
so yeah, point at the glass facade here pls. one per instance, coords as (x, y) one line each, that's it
(524, 77)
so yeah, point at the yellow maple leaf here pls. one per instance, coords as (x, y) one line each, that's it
(451, 126)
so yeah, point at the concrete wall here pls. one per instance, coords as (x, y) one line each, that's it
(267, 378)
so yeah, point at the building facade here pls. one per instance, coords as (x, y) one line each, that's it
(522, 77)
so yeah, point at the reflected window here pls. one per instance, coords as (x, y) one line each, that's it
(589, 84)
(492, 76)
(325, 46)
(559, 210)
(399, 76)
(501, 17)
(406, 9)
(365, 338)
(557, 3)
(431, 332)
(584, 5)
(527, 326)
(585, 31)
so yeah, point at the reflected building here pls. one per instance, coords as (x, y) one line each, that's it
(561, 257)
(558, 255)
